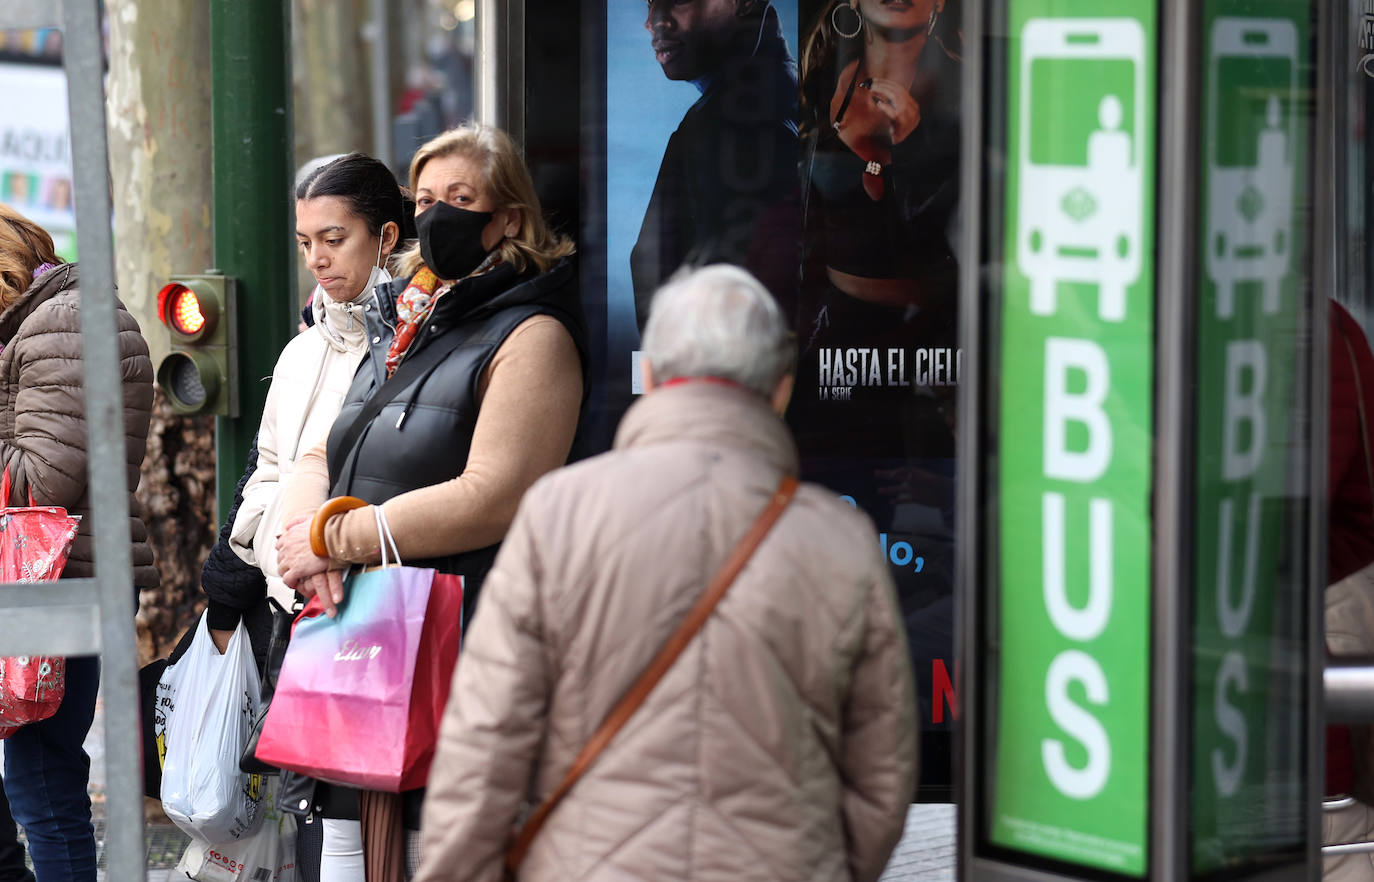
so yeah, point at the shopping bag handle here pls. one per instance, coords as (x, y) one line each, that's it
(5, 491)
(384, 538)
(337, 505)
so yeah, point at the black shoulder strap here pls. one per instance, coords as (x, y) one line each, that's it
(410, 370)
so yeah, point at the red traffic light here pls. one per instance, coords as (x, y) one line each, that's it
(199, 374)
(185, 312)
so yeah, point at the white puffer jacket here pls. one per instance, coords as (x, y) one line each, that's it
(312, 376)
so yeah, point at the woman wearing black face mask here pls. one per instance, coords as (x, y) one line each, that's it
(480, 355)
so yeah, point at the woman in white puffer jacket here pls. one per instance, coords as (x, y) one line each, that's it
(348, 216)
(348, 223)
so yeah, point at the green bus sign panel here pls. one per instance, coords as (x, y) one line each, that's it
(1070, 781)
(1247, 795)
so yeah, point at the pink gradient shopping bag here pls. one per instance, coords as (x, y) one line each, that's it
(360, 696)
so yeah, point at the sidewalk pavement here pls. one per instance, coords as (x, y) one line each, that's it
(928, 850)
(925, 854)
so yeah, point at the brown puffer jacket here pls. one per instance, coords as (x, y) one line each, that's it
(780, 746)
(43, 411)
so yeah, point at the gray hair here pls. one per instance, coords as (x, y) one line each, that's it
(718, 321)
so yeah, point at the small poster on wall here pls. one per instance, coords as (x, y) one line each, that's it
(35, 150)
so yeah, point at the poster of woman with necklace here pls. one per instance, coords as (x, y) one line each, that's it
(877, 320)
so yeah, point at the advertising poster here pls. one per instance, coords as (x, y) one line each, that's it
(877, 310)
(35, 150)
(1071, 715)
(1251, 564)
(816, 145)
(701, 152)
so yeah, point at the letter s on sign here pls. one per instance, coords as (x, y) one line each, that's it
(1087, 782)
(1230, 721)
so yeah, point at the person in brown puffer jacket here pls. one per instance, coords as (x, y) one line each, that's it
(781, 745)
(43, 446)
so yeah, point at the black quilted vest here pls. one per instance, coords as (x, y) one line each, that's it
(423, 435)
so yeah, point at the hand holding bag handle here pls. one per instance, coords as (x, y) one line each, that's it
(662, 662)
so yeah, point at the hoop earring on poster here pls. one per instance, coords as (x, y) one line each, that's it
(835, 21)
(934, 17)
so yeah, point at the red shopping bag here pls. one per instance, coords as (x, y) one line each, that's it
(360, 697)
(34, 542)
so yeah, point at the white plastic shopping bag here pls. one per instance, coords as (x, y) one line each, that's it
(210, 702)
(269, 855)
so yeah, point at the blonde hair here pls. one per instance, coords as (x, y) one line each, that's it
(24, 247)
(508, 184)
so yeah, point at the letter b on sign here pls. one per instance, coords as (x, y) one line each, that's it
(1062, 407)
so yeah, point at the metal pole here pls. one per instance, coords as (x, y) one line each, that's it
(1330, 274)
(1176, 370)
(971, 545)
(500, 66)
(487, 73)
(83, 58)
(250, 107)
(379, 33)
(1348, 687)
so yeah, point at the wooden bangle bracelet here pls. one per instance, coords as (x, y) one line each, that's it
(337, 505)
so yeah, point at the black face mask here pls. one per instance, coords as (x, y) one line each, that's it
(451, 239)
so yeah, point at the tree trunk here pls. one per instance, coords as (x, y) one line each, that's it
(159, 132)
(332, 87)
(330, 90)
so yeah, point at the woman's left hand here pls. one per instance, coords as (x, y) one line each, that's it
(328, 587)
(896, 103)
(296, 560)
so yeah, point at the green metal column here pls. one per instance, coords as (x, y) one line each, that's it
(250, 73)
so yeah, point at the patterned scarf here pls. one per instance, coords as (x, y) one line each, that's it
(413, 307)
(416, 303)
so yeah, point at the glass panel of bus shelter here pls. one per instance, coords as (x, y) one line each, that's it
(1350, 523)
(1071, 234)
(1251, 489)
(1356, 178)
(818, 148)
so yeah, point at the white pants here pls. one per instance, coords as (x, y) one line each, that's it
(341, 859)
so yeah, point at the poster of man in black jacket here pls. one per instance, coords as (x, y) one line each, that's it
(727, 188)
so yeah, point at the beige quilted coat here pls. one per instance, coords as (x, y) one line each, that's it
(781, 746)
(43, 411)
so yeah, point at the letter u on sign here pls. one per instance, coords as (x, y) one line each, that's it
(1087, 623)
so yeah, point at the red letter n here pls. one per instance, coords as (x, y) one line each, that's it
(943, 691)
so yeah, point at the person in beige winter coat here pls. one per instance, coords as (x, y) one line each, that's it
(781, 745)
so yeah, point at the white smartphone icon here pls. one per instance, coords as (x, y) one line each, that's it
(1079, 206)
(1250, 141)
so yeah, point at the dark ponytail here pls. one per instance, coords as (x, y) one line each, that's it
(366, 184)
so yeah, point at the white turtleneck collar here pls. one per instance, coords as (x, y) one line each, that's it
(344, 323)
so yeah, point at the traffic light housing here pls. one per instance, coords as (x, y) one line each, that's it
(200, 374)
